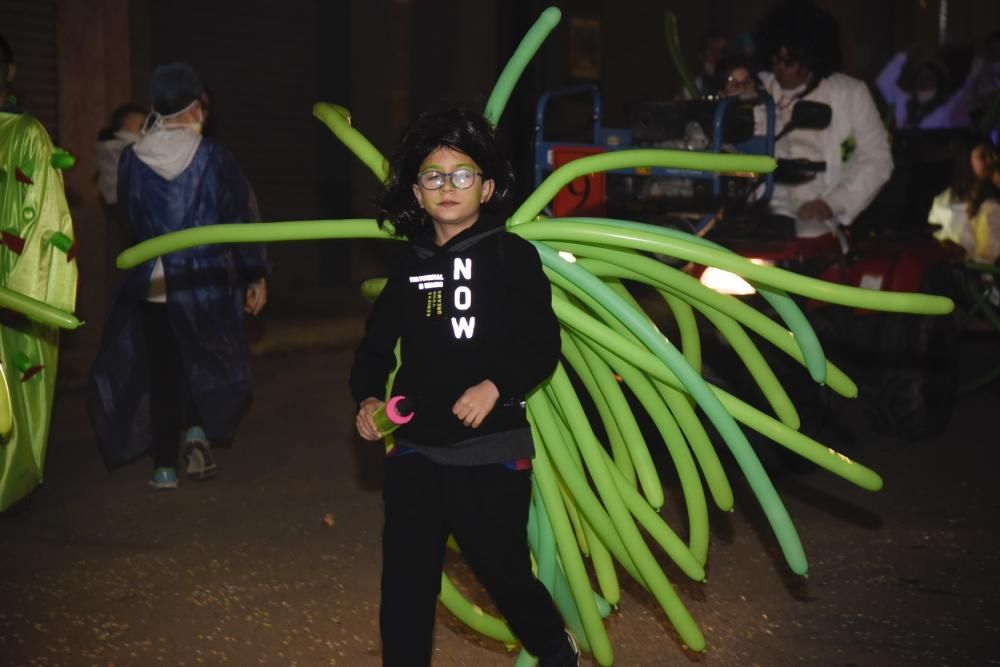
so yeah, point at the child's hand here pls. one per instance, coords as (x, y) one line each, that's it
(364, 422)
(477, 402)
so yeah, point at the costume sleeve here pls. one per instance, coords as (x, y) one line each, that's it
(887, 78)
(870, 167)
(375, 357)
(531, 347)
(987, 233)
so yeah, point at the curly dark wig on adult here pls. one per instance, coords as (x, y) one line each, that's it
(810, 34)
(458, 129)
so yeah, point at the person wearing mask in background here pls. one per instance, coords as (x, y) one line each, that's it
(801, 43)
(174, 357)
(919, 95)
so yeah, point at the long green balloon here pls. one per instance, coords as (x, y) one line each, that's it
(639, 157)
(695, 385)
(584, 499)
(674, 46)
(652, 574)
(813, 288)
(558, 447)
(572, 562)
(549, 572)
(694, 494)
(36, 310)
(612, 409)
(338, 119)
(251, 232)
(833, 461)
(631, 266)
(683, 315)
(734, 334)
(477, 619)
(787, 309)
(529, 45)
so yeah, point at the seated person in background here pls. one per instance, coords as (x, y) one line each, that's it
(984, 216)
(969, 211)
(801, 42)
(920, 96)
(736, 78)
(949, 209)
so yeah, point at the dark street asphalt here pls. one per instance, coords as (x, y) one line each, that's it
(98, 569)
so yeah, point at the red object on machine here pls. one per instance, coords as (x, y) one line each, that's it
(583, 196)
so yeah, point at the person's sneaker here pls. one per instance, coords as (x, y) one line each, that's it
(198, 461)
(164, 478)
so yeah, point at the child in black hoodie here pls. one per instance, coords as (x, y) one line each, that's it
(472, 311)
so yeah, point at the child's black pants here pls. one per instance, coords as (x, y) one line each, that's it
(486, 509)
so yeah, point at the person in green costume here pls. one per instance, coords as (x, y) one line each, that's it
(37, 261)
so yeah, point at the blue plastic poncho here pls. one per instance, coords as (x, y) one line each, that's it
(205, 294)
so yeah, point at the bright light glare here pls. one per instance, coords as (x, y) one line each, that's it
(725, 282)
(567, 256)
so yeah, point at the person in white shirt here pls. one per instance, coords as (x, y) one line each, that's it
(801, 42)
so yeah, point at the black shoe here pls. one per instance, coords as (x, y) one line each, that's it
(568, 655)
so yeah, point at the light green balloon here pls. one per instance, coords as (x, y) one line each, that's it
(638, 157)
(39, 311)
(525, 51)
(695, 385)
(570, 557)
(825, 457)
(787, 309)
(633, 266)
(251, 232)
(477, 619)
(812, 288)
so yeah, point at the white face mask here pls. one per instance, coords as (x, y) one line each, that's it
(158, 121)
(925, 96)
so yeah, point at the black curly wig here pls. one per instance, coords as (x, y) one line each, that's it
(458, 129)
(810, 34)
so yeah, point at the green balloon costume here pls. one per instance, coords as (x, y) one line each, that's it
(595, 505)
(38, 275)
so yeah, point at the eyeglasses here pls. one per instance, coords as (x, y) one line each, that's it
(740, 83)
(784, 60)
(461, 179)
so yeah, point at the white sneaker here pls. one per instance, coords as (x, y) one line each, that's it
(198, 461)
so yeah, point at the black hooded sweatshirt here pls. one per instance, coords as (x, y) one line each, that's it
(477, 308)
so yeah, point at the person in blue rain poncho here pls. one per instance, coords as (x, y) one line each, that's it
(174, 358)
